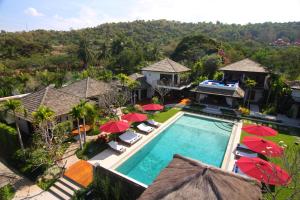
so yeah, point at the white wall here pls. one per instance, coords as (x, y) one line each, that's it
(151, 77)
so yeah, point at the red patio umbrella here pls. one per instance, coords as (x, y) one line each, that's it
(259, 130)
(134, 117)
(114, 126)
(263, 171)
(262, 146)
(153, 107)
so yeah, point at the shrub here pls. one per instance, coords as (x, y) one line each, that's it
(155, 100)
(244, 111)
(270, 110)
(7, 192)
(9, 143)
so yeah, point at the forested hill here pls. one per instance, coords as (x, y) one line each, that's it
(126, 47)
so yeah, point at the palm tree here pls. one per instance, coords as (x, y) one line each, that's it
(76, 113)
(15, 106)
(43, 116)
(250, 84)
(84, 53)
(83, 114)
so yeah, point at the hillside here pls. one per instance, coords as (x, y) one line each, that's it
(126, 47)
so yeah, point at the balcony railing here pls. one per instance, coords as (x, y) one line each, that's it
(170, 83)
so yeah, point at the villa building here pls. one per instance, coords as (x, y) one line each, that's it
(232, 90)
(166, 74)
(88, 88)
(60, 102)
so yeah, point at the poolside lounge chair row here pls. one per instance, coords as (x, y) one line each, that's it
(242, 151)
(130, 137)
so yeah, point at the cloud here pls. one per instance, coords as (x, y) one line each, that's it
(230, 11)
(33, 12)
(86, 17)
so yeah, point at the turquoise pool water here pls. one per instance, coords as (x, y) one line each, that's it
(198, 138)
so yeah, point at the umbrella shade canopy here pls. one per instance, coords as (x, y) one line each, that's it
(263, 171)
(262, 146)
(114, 126)
(135, 117)
(152, 107)
(259, 130)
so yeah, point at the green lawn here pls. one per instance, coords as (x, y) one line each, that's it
(164, 116)
(290, 152)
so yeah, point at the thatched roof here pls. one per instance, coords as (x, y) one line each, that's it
(58, 101)
(86, 88)
(141, 79)
(184, 178)
(245, 65)
(166, 65)
(237, 93)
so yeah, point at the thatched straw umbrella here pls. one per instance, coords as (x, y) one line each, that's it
(184, 178)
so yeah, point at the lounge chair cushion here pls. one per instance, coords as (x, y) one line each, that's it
(143, 127)
(130, 137)
(153, 122)
(115, 146)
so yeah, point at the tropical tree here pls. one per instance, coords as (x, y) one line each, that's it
(83, 114)
(76, 114)
(44, 118)
(250, 84)
(15, 106)
(84, 53)
(128, 84)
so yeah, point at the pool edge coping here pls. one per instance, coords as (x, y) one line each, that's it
(228, 158)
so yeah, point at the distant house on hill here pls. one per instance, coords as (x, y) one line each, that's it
(233, 87)
(60, 102)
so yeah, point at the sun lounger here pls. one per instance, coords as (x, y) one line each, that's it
(152, 122)
(144, 128)
(116, 147)
(237, 170)
(130, 137)
(245, 154)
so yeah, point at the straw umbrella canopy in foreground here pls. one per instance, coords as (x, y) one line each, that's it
(185, 178)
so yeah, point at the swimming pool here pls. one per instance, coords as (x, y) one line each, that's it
(199, 138)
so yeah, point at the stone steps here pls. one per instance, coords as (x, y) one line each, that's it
(64, 189)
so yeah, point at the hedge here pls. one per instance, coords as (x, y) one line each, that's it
(9, 143)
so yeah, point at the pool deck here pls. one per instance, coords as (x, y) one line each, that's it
(111, 160)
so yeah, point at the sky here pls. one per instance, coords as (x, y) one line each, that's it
(19, 15)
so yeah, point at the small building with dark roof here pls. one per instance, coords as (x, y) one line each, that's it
(60, 102)
(87, 88)
(185, 178)
(241, 70)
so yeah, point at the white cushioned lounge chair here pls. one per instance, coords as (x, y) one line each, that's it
(152, 122)
(130, 137)
(116, 147)
(144, 128)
